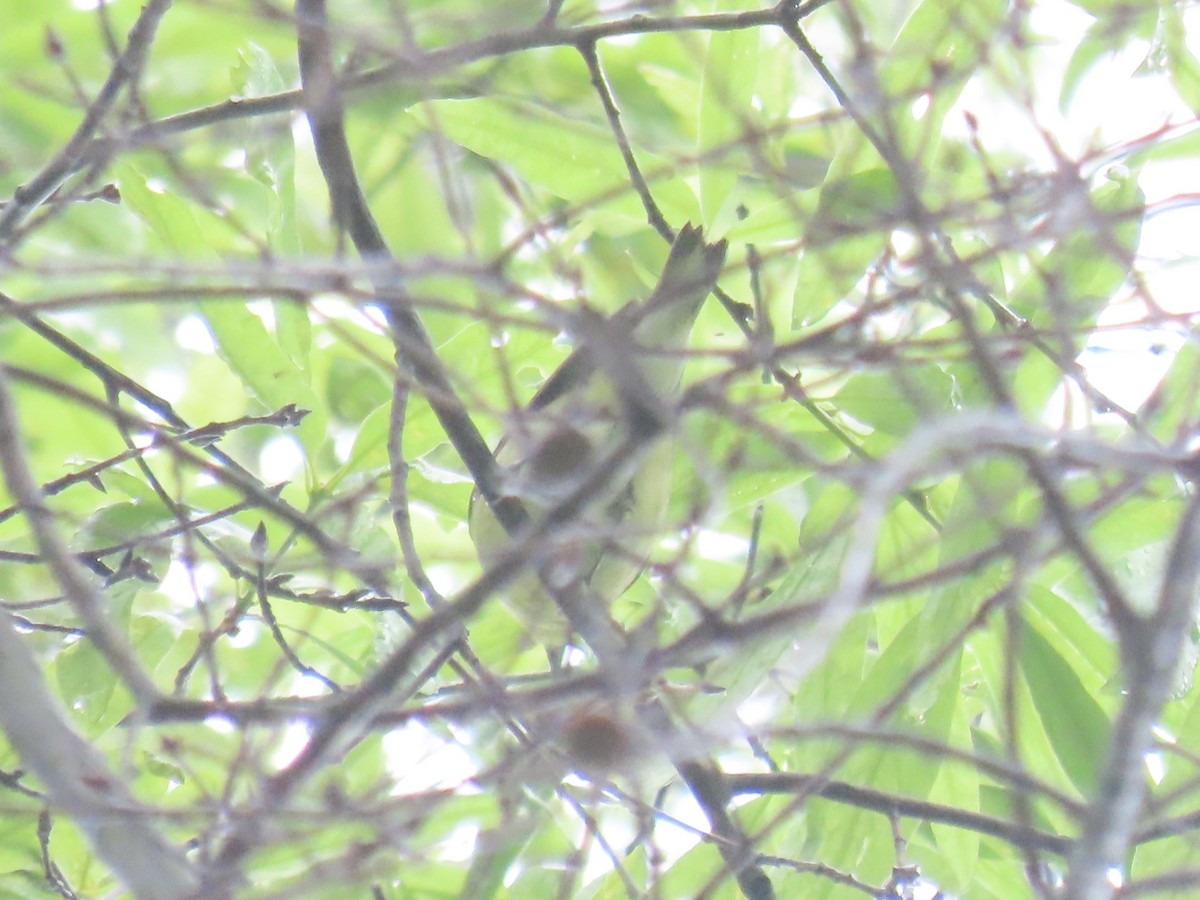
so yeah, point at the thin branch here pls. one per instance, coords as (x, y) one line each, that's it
(126, 70)
(892, 804)
(76, 586)
(654, 215)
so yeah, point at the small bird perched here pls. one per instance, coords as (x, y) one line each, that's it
(581, 411)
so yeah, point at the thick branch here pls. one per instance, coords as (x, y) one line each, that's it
(78, 779)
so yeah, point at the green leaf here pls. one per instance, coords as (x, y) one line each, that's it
(1093, 48)
(1074, 722)
(1134, 539)
(1077, 279)
(841, 242)
(267, 372)
(575, 161)
(1181, 61)
(243, 340)
(931, 61)
(118, 523)
(896, 403)
(957, 786)
(169, 218)
(85, 681)
(727, 88)
(1174, 404)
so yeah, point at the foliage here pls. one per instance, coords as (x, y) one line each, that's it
(920, 614)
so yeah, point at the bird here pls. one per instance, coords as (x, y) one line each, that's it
(582, 410)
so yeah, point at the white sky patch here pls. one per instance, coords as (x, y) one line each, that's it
(192, 334)
(235, 159)
(720, 545)
(310, 686)
(248, 631)
(265, 310)
(422, 760)
(459, 844)
(142, 439)
(923, 889)
(336, 307)
(295, 739)
(760, 708)
(281, 459)
(1124, 366)
(170, 384)
(446, 579)
(220, 724)
(1169, 234)
(182, 584)
(343, 443)
(1155, 767)
(921, 106)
